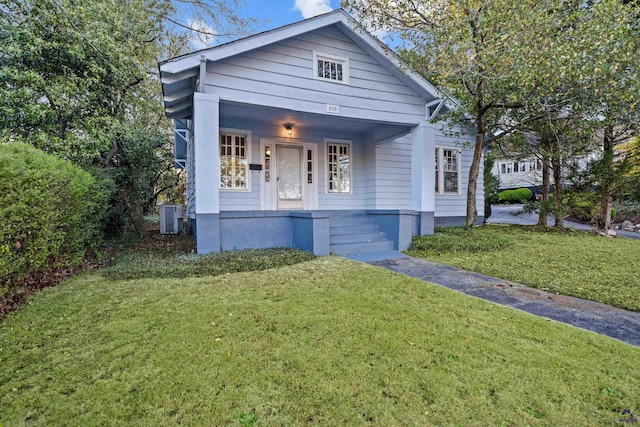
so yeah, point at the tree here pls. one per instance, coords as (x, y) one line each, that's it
(80, 80)
(491, 184)
(508, 63)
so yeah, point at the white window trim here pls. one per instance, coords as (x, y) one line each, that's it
(440, 166)
(348, 142)
(248, 138)
(345, 67)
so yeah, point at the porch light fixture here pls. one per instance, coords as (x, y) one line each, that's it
(289, 128)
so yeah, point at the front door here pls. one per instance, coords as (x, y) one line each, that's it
(289, 177)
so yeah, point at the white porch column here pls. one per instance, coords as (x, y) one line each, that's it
(423, 194)
(206, 128)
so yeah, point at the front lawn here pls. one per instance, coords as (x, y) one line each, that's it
(572, 263)
(327, 342)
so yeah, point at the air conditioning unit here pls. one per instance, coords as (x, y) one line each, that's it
(171, 219)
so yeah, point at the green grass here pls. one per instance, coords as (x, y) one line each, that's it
(326, 342)
(138, 264)
(572, 263)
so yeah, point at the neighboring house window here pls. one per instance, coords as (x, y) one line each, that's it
(234, 165)
(447, 171)
(339, 167)
(330, 67)
(503, 168)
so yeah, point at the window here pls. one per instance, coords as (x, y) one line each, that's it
(450, 166)
(267, 163)
(330, 67)
(338, 168)
(447, 171)
(309, 167)
(437, 173)
(503, 168)
(234, 165)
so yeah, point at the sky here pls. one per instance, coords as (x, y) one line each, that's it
(278, 13)
(270, 13)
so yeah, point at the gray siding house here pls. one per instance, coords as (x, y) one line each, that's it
(313, 135)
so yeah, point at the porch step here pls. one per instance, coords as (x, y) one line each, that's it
(357, 229)
(357, 238)
(374, 256)
(353, 233)
(350, 221)
(355, 248)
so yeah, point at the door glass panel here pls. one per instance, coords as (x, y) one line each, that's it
(289, 174)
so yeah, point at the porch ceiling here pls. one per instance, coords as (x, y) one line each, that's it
(375, 131)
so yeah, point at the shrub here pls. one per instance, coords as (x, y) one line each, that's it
(51, 210)
(520, 195)
(583, 207)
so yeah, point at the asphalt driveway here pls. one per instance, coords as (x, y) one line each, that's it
(514, 214)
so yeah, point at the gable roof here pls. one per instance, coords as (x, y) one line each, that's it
(179, 75)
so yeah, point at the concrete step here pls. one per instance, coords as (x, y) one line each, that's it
(354, 248)
(356, 229)
(357, 238)
(349, 221)
(373, 256)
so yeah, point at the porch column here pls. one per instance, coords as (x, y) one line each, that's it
(206, 127)
(423, 194)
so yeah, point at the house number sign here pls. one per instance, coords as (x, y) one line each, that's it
(334, 109)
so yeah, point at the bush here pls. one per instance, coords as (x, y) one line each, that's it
(583, 207)
(51, 211)
(520, 195)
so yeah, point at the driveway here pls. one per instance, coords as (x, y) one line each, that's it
(514, 214)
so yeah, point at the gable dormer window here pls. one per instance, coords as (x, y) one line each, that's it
(330, 67)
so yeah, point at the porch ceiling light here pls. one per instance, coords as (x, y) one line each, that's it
(289, 128)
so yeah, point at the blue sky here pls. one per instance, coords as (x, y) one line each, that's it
(273, 14)
(278, 13)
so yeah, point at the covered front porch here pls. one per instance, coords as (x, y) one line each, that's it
(280, 178)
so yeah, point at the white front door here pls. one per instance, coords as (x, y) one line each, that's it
(289, 177)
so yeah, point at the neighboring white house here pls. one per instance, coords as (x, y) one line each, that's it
(527, 172)
(313, 135)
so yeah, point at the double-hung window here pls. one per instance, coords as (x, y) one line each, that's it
(338, 167)
(447, 171)
(234, 162)
(330, 68)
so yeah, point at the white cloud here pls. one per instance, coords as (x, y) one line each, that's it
(202, 34)
(310, 8)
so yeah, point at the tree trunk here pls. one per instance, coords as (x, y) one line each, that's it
(474, 172)
(544, 203)
(605, 211)
(556, 163)
(606, 184)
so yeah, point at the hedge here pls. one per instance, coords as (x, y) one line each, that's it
(51, 211)
(515, 196)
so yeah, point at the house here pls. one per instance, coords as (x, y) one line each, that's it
(518, 172)
(313, 135)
